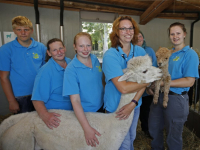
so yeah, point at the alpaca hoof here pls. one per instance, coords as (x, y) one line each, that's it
(164, 105)
(155, 102)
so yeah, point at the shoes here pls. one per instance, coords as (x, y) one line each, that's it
(147, 134)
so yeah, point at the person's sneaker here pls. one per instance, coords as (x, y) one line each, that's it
(147, 134)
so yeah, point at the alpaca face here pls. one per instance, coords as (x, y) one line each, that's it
(162, 56)
(140, 70)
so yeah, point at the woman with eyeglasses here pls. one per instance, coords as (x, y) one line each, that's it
(123, 39)
(47, 90)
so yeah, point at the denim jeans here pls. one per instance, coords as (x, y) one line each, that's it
(127, 144)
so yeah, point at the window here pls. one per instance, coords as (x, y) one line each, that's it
(99, 26)
(100, 37)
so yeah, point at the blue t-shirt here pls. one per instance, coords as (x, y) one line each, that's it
(23, 64)
(48, 86)
(183, 63)
(85, 81)
(152, 54)
(114, 61)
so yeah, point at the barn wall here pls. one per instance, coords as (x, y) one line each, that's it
(155, 31)
(49, 25)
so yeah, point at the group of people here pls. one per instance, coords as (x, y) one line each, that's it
(61, 83)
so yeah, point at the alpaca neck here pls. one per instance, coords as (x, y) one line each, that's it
(165, 70)
(125, 99)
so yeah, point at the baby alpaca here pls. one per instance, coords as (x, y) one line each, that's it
(18, 132)
(163, 55)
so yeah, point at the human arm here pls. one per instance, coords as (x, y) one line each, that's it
(7, 88)
(127, 87)
(49, 118)
(126, 110)
(88, 130)
(182, 82)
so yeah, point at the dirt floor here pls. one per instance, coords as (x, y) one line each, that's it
(190, 140)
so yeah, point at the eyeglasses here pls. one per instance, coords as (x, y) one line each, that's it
(126, 29)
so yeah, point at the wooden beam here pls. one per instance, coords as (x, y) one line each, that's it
(181, 16)
(152, 11)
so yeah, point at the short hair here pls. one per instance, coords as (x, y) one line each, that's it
(48, 48)
(177, 24)
(114, 35)
(21, 21)
(144, 41)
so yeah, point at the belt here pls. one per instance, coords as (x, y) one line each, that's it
(172, 93)
(22, 96)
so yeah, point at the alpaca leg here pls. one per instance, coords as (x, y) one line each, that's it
(156, 93)
(166, 90)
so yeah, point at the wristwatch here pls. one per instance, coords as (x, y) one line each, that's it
(134, 101)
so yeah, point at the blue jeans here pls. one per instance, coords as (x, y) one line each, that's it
(127, 144)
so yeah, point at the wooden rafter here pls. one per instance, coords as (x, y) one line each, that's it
(154, 9)
(168, 9)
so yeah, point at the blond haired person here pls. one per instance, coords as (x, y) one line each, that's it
(83, 83)
(20, 60)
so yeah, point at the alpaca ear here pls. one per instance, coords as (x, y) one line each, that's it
(126, 76)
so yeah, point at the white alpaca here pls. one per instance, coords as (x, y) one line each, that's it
(19, 131)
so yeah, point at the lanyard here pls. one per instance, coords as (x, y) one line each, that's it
(123, 54)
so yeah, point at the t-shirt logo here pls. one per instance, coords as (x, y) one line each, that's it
(36, 56)
(176, 58)
(99, 68)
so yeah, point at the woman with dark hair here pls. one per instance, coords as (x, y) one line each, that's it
(123, 39)
(146, 99)
(47, 91)
(183, 68)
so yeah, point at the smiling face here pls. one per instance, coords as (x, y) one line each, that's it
(83, 46)
(126, 35)
(23, 33)
(57, 51)
(177, 36)
(140, 40)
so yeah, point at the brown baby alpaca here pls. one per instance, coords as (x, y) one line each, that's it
(163, 55)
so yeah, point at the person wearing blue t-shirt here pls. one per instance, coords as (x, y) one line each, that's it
(146, 99)
(48, 85)
(123, 39)
(20, 61)
(183, 68)
(83, 83)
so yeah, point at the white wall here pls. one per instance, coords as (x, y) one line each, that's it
(155, 31)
